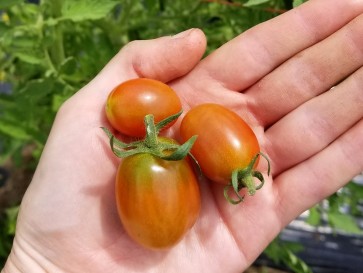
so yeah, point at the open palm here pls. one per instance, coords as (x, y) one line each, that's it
(278, 76)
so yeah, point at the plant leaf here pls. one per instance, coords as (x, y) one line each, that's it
(28, 57)
(252, 3)
(8, 3)
(282, 252)
(14, 131)
(68, 66)
(36, 89)
(11, 215)
(296, 3)
(82, 10)
(344, 222)
(314, 217)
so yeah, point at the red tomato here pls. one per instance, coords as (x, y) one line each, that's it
(158, 200)
(131, 101)
(225, 141)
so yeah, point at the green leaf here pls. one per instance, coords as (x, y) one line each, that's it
(293, 246)
(36, 89)
(344, 222)
(3, 27)
(86, 9)
(28, 57)
(8, 3)
(355, 189)
(14, 131)
(273, 251)
(314, 217)
(68, 66)
(11, 216)
(296, 3)
(295, 263)
(151, 4)
(9, 150)
(57, 102)
(282, 252)
(23, 36)
(252, 3)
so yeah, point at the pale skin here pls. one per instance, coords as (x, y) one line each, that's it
(278, 76)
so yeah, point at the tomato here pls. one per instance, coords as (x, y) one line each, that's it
(225, 141)
(226, 148)
(129, 102)
(158, 201)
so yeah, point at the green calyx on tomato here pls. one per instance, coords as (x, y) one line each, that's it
(244, 178)
(151, 144)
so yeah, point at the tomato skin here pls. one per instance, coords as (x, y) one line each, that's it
(225, 141)
(129, 102)
(158, 201)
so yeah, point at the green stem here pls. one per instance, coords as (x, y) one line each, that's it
(151, 139)
(249, 184)
(244, 178)
(57, 50)
(151, 144)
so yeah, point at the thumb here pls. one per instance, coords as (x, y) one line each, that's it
(163, 59)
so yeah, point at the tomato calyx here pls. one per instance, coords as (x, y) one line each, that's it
(244, 178)
(152, 143)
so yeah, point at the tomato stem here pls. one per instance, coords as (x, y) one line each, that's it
(151, 139)
(244, 178)
(151, 144)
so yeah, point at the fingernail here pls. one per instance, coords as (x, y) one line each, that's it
(183, 34)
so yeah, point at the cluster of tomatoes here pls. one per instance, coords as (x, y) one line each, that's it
(157, 192)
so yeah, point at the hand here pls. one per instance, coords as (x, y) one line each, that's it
(278, 76)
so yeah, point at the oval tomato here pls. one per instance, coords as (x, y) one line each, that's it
(131, 101)
(225, 141)
(158, 201)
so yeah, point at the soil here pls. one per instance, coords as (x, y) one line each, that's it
(14, 187)
(17, 180)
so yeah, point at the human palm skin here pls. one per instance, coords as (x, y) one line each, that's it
(278, 76)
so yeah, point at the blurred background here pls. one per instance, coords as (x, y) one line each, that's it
(49, 49)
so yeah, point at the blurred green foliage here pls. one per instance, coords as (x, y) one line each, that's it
(7, 231)
(51, 49)
(285, 253)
